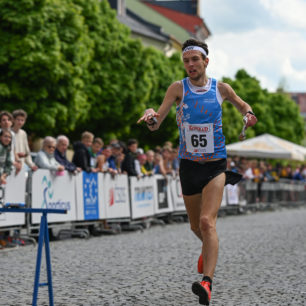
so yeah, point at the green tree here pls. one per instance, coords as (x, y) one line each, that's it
(277, 114)
(44, 57)
(124, 78)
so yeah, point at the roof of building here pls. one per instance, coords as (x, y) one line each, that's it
(152, 16)
(189, 22)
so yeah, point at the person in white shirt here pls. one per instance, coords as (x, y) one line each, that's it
(21, 139)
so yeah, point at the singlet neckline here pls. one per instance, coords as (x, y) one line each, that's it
(200, 90)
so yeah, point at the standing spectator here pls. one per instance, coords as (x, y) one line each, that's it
(167, 162)
(6, 122)
(45, 158)
(21, 139)
(81, 157)
(128, 164)
(142, 159)
(5, 155)
(149, 165)
(62, 143)
(175, 161)
(116, 151)
(95, 153)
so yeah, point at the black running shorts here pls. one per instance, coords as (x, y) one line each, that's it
(195, 176)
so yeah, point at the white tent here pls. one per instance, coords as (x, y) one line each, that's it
(267, 146)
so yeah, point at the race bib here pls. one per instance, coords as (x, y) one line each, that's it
(199, 138)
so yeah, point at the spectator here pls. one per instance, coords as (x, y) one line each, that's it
(175, 161)
(142, 158)
(248, 172)
(45, 158)
(297, 175)
(21, 139)
(81, 157)
(6, 122)
(128, 164)
(167, 162)
(62, 143)
(116, 151)
(158, 165)
(119, 161)
(149, 165)
(5, 155)
(104, 163)
(95, 154)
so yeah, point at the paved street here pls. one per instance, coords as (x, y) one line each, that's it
(262, 261)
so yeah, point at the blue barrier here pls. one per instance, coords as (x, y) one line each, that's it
(43, 238)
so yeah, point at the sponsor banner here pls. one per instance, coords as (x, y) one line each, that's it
(177, 196)
(142, 197)
(14, 192)
(232, 194)
(116, 196)
(163, 194)
(53, 191)
(89, 197)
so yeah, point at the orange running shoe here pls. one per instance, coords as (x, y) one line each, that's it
(200, 264)
(203, 291)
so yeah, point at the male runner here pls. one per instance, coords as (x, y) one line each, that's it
(202, 151)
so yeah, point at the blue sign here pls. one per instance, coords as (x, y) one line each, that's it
(90, 196)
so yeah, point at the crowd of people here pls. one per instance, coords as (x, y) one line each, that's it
(91, 154)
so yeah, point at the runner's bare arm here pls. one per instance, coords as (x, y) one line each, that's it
(173, 94)
(228, 93)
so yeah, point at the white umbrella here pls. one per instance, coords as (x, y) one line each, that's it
(267, 146)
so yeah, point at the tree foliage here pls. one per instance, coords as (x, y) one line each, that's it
(277, 114)
(44, 55)
(73, 67)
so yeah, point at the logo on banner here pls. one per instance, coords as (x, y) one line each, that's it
(90, 196)
(117, 195)
(49, 200)
(144, 196)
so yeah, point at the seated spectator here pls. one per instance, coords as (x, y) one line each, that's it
(5, 155)
(149, 165)
(128, 165)
(62, 143)
(6, 122)
(81, 157)
(95, 154)
(21, 139)
(45, 158)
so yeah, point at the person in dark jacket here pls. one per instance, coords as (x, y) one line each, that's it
(81, 157)
(128, 164)
(62, 143)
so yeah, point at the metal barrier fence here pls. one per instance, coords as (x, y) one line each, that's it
(89, 198)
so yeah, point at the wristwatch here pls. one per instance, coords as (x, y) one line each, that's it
(249, 112)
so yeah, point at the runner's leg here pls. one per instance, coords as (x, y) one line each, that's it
(211, 200)
(193, 205)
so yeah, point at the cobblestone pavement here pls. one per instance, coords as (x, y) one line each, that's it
(262, 261)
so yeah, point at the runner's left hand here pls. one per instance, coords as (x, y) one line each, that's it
(249, 120)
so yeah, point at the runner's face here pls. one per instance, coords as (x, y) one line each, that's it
(194, 64)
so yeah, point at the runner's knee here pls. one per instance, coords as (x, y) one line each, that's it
(207, 223)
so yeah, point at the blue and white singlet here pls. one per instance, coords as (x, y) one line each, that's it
(199, 119)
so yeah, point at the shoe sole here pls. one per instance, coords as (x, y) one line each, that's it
(198, 290)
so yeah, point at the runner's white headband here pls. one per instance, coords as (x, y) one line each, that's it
(197, 48)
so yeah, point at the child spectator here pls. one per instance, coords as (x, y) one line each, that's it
(81, 157)
(5, 155)
(21, 139)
